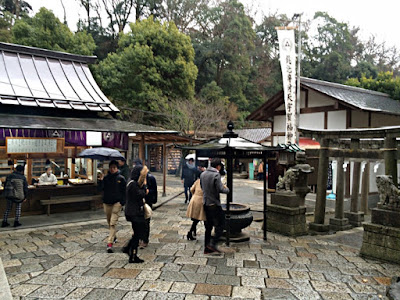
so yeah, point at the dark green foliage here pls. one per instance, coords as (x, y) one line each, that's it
(152, 66)
(45, 30)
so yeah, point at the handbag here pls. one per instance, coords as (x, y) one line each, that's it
(147, 211)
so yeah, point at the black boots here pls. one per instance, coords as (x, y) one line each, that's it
(5, 224)
(190, 236)
(133, 258)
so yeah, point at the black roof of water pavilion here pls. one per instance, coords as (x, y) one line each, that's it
(230, 144)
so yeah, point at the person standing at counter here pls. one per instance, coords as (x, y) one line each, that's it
(114, 186)
(48, 177)
(124, 169)
(15, 191)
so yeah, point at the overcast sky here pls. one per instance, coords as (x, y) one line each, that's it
(379, 20)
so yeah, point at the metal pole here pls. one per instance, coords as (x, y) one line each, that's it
(165, 166)
(298, 83)
(229, 196)
(265, 197)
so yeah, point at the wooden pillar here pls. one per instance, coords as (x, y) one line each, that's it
(355, 145)
(323, 167)
(165, 164)
(29, 169)
(129, 154)
(141, 148)
(365, 189)
(390, 157)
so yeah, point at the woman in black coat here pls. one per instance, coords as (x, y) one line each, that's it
(136, 190)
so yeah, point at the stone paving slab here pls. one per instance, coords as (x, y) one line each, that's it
(70, 262)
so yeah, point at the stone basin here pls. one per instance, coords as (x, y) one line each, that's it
(241, 217)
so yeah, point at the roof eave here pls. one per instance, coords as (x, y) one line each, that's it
(47, 53)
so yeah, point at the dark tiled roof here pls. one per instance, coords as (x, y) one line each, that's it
(356, 97)
(87, 124)
(255, 135)
(42, 78)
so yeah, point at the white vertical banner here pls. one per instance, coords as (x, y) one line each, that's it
(287, 56)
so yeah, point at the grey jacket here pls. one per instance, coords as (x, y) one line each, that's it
(212, 186)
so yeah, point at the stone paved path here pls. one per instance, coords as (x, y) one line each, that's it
(70, 262)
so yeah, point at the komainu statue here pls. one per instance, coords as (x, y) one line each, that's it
(296, 177)
(389, 194)
(287, 181)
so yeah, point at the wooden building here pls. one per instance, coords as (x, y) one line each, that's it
(331, 106)
(50, 110)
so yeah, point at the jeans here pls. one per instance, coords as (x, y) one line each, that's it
(215, 218)
(187, 189)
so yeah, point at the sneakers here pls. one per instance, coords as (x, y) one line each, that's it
(115, 240)
(17, 224)
(211, 249)
(109, 248)
(5, 224)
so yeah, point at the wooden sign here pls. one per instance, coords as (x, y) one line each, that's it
(34, 145)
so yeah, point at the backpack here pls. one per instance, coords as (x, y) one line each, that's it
(14, 189)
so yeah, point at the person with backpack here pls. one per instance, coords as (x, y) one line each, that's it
(15, 191)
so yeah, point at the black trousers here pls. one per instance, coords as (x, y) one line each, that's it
(215, 218)
(138, 228)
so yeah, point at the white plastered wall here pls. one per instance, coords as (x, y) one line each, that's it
(337, 119)
(312, 120)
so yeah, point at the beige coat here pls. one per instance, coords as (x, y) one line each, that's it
(195, 208)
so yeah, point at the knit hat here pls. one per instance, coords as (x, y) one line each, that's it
(135, 174)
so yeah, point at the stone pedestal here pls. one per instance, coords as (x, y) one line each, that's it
(381, 238)
(355, 218)
(318, 227)
(285, 216)
(339, 224)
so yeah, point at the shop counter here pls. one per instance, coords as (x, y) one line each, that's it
(41, 196)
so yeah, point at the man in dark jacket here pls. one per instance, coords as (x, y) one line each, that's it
(15, 191)
(211, 184)
(189, 176)
(124, 169)
(114, 186)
